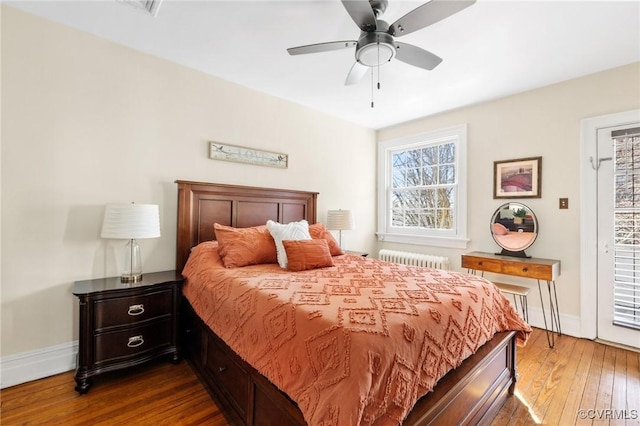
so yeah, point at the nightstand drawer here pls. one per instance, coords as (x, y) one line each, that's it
(131, 309)
(132, 341)
(481, 264)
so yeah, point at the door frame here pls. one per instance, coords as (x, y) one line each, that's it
(588, 215)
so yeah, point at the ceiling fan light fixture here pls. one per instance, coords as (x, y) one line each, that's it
(376, 54)
(374, 49)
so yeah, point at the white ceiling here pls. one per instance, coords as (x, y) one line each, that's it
(490, 50)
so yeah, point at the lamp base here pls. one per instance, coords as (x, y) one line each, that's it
(131, 278)
(132, 272)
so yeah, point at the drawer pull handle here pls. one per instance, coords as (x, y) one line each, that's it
(525, 269)
(480, 263)
(136, 310)
(135, 341)
(222, 369)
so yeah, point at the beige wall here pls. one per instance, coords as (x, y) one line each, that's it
(86, 122)
(543, 122)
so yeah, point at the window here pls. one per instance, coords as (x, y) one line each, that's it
(422, 189)
(626, 280)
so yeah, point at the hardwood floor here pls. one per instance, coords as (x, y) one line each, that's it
(574, 383)
(159, 393)
(553, 386)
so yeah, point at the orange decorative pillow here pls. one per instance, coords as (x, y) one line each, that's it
(289, 231)
(500, 229)
(245, 246)
(319, 231)
(307, 254)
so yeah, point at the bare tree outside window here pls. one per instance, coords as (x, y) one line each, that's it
(424, 187)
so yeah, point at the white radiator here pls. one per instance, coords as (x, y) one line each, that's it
(414, 259)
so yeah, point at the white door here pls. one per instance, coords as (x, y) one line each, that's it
(618, 207)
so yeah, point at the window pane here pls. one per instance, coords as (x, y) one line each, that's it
(446, 197)
(430, 199)
(626, 227)
(413, 177)
(428, 219)
(413, 158)
(445, 219)
(399, 199)
(411, 218)
(624, 191)
(636, 188)
(447, 153)
(398, 159)
(397, 217)
(428, 175)
(447, 174)
(398, 178)
(430, 155)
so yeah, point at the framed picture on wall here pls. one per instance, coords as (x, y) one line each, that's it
(521, 178)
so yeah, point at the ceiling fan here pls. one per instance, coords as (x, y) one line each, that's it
(376, 44)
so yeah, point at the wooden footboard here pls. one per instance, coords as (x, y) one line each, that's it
(471, 394)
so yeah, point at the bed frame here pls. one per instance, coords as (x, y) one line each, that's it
(471, 394)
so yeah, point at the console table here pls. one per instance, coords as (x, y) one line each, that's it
(538, 269)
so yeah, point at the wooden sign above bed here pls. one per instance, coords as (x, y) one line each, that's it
(240, 154)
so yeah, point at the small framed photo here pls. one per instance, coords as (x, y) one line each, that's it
(521, 178)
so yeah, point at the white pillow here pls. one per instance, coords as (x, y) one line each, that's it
(290, 231)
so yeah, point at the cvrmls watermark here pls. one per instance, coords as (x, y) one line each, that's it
(609, 414)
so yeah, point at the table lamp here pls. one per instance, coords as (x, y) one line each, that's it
(339, 220)
(131, 222)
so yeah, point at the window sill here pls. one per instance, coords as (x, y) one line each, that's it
(423, 240)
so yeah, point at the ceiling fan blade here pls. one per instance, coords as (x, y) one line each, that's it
(416, 56)
(361, 13)
(427, 14)
(355, 75)
(321, 47)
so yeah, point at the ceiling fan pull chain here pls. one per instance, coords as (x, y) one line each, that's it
(378, 63)
(371, 87)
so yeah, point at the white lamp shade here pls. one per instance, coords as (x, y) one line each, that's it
(131, 221)
(339, 220)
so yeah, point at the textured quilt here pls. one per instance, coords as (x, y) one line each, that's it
(354, 344)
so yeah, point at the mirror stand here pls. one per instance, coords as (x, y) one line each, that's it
(519, 253)
(514, 228)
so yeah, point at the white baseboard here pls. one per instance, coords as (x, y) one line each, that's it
(33, 365)
(569, 324)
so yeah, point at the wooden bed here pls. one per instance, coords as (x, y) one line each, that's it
(470, 394)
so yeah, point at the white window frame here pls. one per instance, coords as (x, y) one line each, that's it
(456, 238)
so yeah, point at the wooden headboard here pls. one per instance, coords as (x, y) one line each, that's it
(200, 205)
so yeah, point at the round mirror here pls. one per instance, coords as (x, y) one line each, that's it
(514, 227)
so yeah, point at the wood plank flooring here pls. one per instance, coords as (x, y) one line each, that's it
(553, 386)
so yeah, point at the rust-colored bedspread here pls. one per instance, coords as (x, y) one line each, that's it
(353, 344)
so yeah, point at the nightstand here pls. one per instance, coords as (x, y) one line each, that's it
(126, 324)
